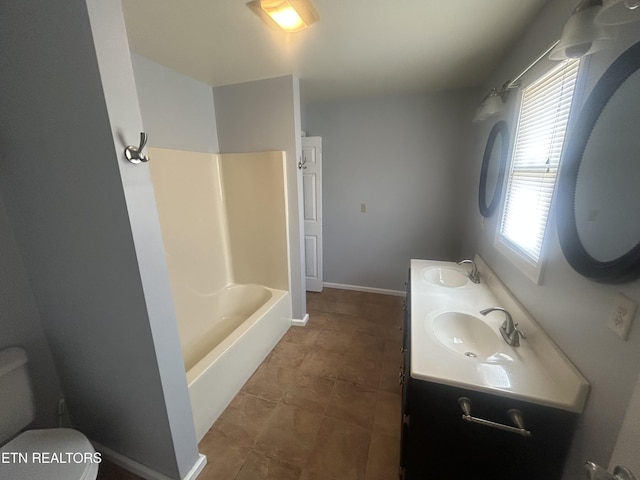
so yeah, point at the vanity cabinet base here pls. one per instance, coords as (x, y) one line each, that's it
(437, 443)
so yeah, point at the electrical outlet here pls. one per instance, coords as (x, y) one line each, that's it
(363, 208)
(621, 316)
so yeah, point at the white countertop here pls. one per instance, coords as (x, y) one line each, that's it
(536, 371)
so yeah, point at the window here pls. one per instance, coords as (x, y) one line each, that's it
(542, 124)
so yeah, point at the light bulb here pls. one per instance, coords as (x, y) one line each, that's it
(577, 51)
(288, 19)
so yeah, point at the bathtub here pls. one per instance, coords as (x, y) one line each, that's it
(245, 323)
(224, 230)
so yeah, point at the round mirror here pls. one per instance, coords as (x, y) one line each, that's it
(493, 166)
(599, 184)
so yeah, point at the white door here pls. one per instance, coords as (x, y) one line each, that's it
(311, 166)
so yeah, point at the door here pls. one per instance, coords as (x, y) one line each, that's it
(311, 166)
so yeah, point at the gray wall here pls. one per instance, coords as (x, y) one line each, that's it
(86, 227)
(572, 309)
(177, 111)
(399, 155)
(20, 325)
(260, 116)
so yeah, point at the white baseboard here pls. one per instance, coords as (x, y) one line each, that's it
(144, 471)
(197, 468)
(300, 323)
(382, 291)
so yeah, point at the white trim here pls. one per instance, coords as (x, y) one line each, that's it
(142, 470)
(532, 271)
(300, 323)
(357, 288)
(197, 468)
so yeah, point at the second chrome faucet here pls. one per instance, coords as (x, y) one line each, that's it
(509, 330)
(474, 274)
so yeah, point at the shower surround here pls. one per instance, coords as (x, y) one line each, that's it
(224, 227)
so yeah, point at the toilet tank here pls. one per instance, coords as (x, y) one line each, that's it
(16, 397)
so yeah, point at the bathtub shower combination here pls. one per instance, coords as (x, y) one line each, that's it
(224, 226)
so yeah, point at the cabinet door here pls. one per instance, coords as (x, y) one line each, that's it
(443, 445)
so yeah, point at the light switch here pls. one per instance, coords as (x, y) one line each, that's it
(363, 208)
(621, 316)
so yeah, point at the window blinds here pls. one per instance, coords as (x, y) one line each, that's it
(544, 115)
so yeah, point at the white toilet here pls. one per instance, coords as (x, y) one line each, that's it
(51, 454)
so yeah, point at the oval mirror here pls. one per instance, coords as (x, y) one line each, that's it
(494, 162)
(599, 183)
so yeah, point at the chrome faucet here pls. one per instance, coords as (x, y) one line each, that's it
(474, 274)
(508, 329)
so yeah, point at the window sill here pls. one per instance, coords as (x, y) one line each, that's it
(531, 270)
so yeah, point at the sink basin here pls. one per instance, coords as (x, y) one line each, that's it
(466, 334)
(445, 277)
(452, 344)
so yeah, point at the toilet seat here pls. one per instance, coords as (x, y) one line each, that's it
(50, 455)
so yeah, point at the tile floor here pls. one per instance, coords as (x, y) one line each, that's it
(325, 404)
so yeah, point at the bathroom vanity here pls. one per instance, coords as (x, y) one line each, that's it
(473, 406)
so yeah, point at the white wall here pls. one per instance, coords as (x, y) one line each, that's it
(193, 219)
(260, 116)
(399, 155)
(572, 309)
(86, 226)
(177, 111)
(253, 186)
(223, 220)
(626, 449)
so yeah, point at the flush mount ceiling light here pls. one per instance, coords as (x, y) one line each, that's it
(617, 12)
(581, 36)
(289, 15)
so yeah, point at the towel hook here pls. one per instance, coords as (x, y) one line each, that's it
(134, 154)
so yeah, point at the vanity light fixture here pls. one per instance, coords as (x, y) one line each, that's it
(617, 12)
(581, 35)
(491, 104)
(289, 15)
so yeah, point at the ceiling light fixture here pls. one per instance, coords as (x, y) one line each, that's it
(290, 15)
(617, 12)
(581, 36)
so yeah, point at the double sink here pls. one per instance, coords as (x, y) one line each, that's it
(452, 343)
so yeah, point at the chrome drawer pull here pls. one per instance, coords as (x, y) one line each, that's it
(514, 415)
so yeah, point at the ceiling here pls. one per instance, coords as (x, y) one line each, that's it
(358, 47)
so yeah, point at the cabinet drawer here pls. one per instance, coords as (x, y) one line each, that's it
(441, 444)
